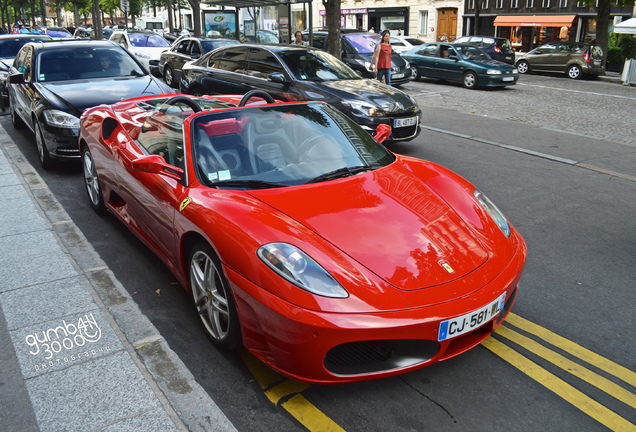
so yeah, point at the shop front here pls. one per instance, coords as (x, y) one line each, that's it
(349, 18)
(392, 19)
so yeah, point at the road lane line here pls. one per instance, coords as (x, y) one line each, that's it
(584, 354)
(581, 401)
(277, 388)
(578, 91)
(573, 368)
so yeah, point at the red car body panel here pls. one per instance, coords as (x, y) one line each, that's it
(377, 233)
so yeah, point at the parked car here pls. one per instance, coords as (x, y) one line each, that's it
(263, 37)
(462, 63)
(497, 48)
(10, 44)
(357, 51)
(302, 238)
(51, 83)
(57, 32)
(292, 73)
(147, 46)
(187, 49)
(572, 58)
(404, 43)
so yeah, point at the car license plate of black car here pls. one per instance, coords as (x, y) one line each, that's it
(396, 76)
(458, 326)
(405, 122)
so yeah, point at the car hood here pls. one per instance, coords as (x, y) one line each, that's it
(490, 63)
(78, 95)
(6, 62)
(390, 99)
(389, 221)
(154, 52)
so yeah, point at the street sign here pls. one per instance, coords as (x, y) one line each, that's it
(125, 5)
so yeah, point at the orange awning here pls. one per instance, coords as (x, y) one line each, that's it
(534, 20)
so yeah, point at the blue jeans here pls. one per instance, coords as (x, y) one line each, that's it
(386, 73)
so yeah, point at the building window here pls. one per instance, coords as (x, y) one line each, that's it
(471, 4)
(580, 4)
(529, 3)
(423, 22)
(563, 3)
(545, 4)
(514, 4)
(484, 4)
(499, 4)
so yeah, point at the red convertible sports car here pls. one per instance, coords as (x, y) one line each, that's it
(300, 236)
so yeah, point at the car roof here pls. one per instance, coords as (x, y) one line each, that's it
(274, 48)
(52, 44)
(25, 36)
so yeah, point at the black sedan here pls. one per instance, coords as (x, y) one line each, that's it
(291, 73)
(52, 83)
(185, 50)
(10, 44)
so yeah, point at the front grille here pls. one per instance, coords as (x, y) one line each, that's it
(404, 132)
(355, 358)
(68, 152)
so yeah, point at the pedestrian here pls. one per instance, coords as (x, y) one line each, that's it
(298, 39)
(444, 38)
(399, 32)
(36, 29)
(381, 60)
(372, 30)
(14, 29)
(23, 29)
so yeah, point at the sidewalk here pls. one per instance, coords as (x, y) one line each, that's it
(75, 351)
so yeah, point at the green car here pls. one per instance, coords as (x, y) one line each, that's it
(459, 62)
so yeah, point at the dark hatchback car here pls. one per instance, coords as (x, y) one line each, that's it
(497, 48)
(186, 50)
(10, 44)
(462, 63)
(293, 73)
(52, 83)
(357, 51)
(572, 58)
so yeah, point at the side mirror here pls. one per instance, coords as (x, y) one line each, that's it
(453, 57)
(382, 132)
(16, 78)
(196, 56)
(277, 77)
(155, 164)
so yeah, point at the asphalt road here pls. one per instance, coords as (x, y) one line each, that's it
(557, 157)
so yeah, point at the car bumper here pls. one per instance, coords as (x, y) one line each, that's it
(326, 348)
(404, 133)
(61, 143)
(497, 80)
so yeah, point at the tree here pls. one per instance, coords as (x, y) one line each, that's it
(603, 20)
(332, 14)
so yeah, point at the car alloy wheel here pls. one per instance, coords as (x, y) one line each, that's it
(168, 76)
(470, 80)
(93, 189)
(212, 297)
(43, 152)
(415, 72)
(575, 72)
(523, 67)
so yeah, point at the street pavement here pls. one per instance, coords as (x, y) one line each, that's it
(75, 351)
(77, 354)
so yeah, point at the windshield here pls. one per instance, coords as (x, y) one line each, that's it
(283, 145)
(9, 47)
(364, 43)
(147, 40)
(211, 45)
(308, 65)
(67, 63)
(63, 34)
(471, 53)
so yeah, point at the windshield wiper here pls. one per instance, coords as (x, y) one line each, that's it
(344, 172)
(254, 184)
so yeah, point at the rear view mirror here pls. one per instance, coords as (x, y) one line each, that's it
(382, 132)
(155, 164)
(16, 78)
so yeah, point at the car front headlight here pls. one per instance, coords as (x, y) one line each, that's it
(300, 269)
(61, 119)
(364, 108)
(493, 211)
(515, 71)
(493, 72)
(142, 55)
(366, 64)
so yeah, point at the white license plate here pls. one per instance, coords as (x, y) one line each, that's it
(404, 122)
(597, 62)
(458, 326)
(396, 76)
(508, 78)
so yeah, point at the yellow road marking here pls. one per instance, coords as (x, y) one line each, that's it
(278, 387)
(584, 403)
(575, 369)
(576, 350)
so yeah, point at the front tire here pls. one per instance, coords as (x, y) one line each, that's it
(415, 73)
(168, 76)
(213, 298)
(91, 181)
(523, 67)
(575, 71)
(43, 152)
(470, 80)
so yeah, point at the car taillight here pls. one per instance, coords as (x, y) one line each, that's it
(497, 50)
(586, 57)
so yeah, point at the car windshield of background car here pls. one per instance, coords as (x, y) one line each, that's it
(504, 43)
(59, 34)
(281, 145)
(472, 53)
(364, 43)
(414, 41)
(211, 45)
(144, 40)
(316, 66)
(9, 47)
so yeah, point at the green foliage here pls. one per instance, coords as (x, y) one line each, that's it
(627, 45)
(614, 55)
